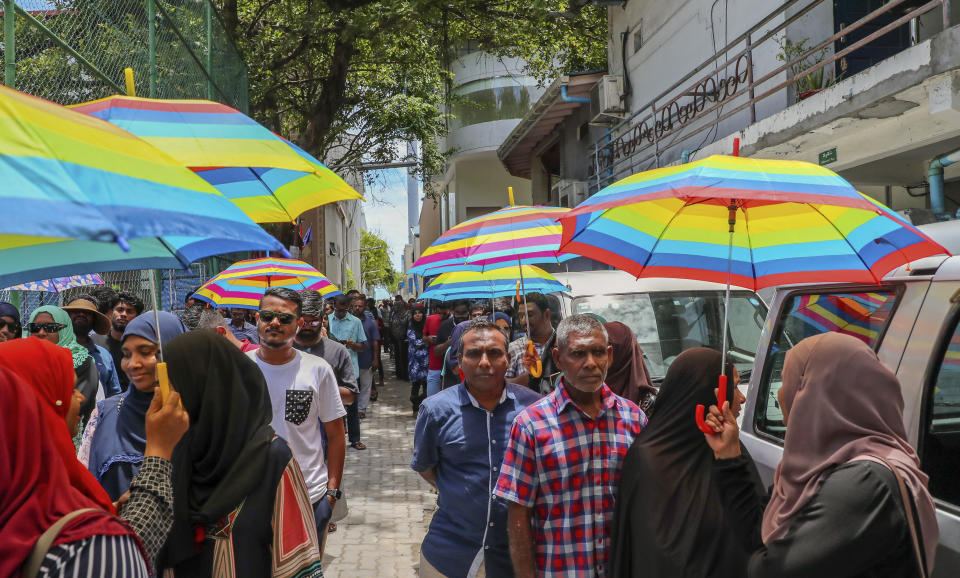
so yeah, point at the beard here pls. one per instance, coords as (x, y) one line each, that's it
(274, 339)
(82, 329)
(119, 325)
(308, 335)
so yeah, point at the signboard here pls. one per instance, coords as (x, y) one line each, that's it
(828, 156)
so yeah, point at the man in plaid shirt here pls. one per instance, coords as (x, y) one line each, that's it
(562, 464)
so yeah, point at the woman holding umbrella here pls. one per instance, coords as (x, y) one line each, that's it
(114, 439)
(849, 498)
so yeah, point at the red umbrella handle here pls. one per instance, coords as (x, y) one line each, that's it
(721, 397)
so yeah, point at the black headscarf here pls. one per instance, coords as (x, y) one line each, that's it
(418, 327)
(669, 520)
(224, 454)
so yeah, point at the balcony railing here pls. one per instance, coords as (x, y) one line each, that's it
(702, 100)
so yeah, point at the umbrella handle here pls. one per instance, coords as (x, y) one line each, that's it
(721, 398)
(163, 381)
(535, 370)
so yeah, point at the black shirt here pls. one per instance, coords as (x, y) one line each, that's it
(113, 346)
(855, 525)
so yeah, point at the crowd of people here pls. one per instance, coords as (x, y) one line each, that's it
(562, 458)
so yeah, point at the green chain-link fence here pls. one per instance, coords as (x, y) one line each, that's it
(71, 51)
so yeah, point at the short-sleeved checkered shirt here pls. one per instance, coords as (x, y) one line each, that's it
(566, 467)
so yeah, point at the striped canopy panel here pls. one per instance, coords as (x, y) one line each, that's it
(500, 282)
(58, 284)
(862, 315)
(66, 175)
(795, 223)
(244, 283)
(530, 235)
(268, 177)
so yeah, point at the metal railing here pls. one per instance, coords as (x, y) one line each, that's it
(698, 102)
(71, 51)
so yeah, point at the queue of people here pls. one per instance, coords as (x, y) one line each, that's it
(586, 469)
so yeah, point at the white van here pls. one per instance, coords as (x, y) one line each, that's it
(668, 316)
(912, 320)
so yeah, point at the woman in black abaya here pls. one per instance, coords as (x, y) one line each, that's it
(669, 521)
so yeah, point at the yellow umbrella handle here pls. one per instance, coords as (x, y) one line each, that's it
(536, 370)
(163, 380)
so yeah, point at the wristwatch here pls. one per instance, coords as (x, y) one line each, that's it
(335, 493)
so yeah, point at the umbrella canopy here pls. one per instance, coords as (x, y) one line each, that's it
(71, 176)
(793, 222)
(269, 178)
(495, 283)
(58, 284)
(507, 237)
(25, 259)
(244, 283)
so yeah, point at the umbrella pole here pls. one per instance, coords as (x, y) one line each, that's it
(732, 221)
(156, 313)
(523, 291)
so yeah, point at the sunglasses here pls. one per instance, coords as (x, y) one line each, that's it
(268, 316)
(316, 323)
(48, 327)
(13, 325)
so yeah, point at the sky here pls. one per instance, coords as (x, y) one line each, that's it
(386, 210)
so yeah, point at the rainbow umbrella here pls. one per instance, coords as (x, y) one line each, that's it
(58, 284)
(66, 175)
(514, 235)
(244, 283)
(494, 283)
(754, 223)
(269, 178)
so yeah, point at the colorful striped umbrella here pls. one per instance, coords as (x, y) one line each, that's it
(750, 222)
(58, 284)
(795, 222)
(269, 178)
(506, 237)
(244, 283)
(494, 283)
(67, 175)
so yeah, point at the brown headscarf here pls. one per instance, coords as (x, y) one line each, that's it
(847, 406)
(628, 376)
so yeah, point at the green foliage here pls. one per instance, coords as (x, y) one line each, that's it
(817, 80)
(375, 263)
(349, 79)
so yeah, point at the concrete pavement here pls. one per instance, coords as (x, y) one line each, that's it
(390, 505)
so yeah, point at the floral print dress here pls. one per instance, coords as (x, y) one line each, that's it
(418, 351)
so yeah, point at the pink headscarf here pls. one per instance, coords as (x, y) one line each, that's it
(845, 406)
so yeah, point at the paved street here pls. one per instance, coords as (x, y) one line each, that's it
(390, 505)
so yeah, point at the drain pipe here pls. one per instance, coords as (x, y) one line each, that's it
(935, 176)
(567, 98)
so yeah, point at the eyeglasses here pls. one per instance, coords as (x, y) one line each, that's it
(268, 316)
(316, 323)
(13, 325)
(48, 327)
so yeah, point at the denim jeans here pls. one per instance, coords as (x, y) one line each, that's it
(353, 422)
(434, 381)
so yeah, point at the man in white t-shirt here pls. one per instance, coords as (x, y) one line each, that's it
(304, 394)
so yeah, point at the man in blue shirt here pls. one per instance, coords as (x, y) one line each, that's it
(348, 330)
(459, 443)
(86, 318)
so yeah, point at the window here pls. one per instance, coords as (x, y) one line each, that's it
(492, 99)
(670, 322)
(862, 315)
(638, 37)
(941, 432)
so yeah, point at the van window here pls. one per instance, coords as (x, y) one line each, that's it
(941, 431)
(669, 322)
(862, 315)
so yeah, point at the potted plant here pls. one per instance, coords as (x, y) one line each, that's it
(806, 84)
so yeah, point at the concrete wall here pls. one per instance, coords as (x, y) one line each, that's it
(482, 181)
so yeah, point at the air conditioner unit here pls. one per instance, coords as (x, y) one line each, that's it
(606, 101)
(569, 193)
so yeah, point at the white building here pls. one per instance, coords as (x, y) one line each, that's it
(491, 96)
(872, 92)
